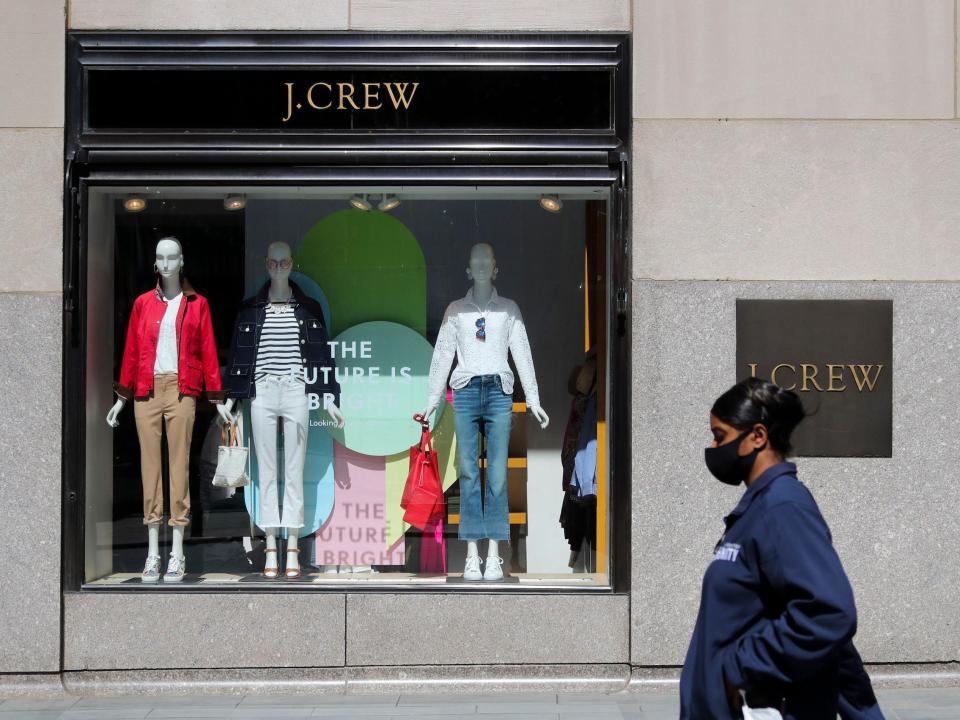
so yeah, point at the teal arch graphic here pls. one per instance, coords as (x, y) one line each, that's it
(370, 266)
(310, 288)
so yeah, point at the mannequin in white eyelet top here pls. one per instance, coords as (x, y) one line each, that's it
(503, 331)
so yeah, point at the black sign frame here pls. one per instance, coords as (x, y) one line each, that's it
(837, 355)
(564, 97)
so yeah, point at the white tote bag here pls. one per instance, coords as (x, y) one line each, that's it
(233, 457)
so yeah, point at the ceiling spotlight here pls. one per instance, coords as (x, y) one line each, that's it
(388, 203)
(360, 203)
(134, 204)
(234, 202)
(551, 203)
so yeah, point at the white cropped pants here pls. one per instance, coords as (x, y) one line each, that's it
(280, 397)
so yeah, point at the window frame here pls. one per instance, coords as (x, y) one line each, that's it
(423, 158)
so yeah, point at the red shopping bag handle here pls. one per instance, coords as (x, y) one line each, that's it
(426, 444)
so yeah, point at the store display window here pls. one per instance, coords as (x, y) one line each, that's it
(383, 385)
(347, 310)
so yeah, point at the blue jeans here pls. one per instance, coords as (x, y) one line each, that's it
(483, 401)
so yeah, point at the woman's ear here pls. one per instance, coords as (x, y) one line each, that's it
(760, 436)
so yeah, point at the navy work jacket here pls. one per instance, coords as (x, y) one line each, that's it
(776, 608)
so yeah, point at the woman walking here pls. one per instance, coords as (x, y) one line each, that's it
(777, 615)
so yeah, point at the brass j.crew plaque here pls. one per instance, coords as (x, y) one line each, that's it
(837, 355)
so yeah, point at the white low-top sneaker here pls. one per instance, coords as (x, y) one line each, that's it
(494, 570)
(151, 570)
(176, 569)
(471, 570)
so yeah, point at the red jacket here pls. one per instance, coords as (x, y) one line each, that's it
(198, 368)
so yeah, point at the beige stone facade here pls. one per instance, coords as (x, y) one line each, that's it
(781, 148)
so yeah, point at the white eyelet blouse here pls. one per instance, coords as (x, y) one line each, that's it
(458, 337)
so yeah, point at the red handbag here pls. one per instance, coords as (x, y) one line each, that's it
(422, 498)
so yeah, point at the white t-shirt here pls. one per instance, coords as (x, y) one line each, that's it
(166, 361)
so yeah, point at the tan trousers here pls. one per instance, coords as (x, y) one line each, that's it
(166, 404)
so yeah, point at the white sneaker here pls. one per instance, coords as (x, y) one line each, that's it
(493, 571)
(471, 570)
(176, 569)
(151, 570)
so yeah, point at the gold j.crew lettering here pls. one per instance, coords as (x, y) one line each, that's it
(348, 96)
(829, 377)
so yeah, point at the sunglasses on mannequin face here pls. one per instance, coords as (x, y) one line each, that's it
(481, 329)
(284, 264)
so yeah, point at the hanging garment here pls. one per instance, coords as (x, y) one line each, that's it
(568, 449)
(578, 518)
(433, 548)
(584, 481)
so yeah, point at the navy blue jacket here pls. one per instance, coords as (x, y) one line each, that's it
(776, 609)
(314, 348)
(857, 699)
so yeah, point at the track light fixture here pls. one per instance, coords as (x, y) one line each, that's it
(551, 203)
(360, 202)
(234, 202)
(388, 203)
(134, 204)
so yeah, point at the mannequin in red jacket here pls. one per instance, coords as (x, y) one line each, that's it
(169, 360)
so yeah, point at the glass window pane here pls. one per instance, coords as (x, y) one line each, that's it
(310, 307)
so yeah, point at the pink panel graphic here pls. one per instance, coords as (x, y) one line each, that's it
(356, 532)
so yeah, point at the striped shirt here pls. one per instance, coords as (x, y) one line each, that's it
(279, 350)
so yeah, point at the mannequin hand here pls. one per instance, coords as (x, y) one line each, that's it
(540, 415)
(431, 409)
(224, 410)
(336, 415)
(114, 412)
(342, 480)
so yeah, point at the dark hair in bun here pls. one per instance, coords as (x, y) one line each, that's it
(754, 401)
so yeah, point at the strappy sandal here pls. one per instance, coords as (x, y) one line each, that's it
(293, 573)
(271, 573)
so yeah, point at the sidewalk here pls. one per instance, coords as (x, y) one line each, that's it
(932, 704)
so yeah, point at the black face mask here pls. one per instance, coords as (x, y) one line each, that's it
(726, 464)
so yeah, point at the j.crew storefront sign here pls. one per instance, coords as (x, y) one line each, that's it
(346, 96)
(252, 98)
(837, 356)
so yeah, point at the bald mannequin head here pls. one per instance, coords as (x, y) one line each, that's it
(483, 264)
(168, 260)
(279, 260)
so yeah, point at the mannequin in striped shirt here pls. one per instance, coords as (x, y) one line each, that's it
(281, 393)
